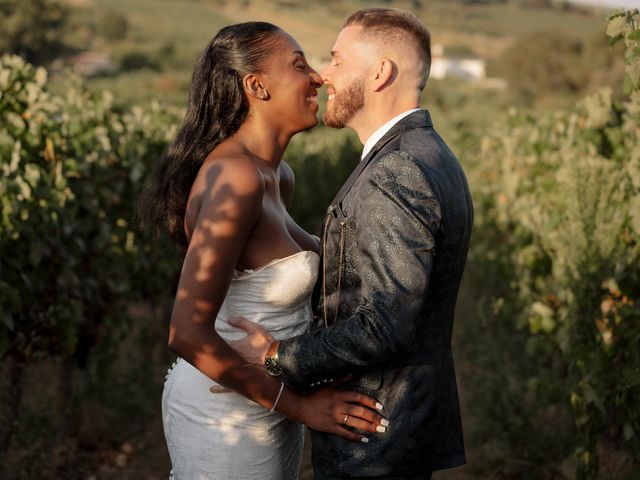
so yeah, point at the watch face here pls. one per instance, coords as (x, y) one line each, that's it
(272, 367)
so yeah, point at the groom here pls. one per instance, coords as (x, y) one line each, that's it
(394, 245)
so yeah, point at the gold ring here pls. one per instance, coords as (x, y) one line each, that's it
(345, 418)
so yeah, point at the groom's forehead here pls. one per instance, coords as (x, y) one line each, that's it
(351, 42)
(347, 38)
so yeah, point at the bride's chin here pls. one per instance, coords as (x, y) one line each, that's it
(309, 123)
(306, 128)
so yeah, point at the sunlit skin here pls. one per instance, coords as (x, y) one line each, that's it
(393, 75)
(236, 218)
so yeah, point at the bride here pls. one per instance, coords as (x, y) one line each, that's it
(220, 191)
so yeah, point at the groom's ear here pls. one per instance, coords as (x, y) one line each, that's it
(253, 87)
(383, 73)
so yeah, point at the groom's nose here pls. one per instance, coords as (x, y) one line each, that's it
(324, 73)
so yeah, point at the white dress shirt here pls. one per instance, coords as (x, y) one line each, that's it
(379, 133)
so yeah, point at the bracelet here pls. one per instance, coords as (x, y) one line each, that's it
(278, 397)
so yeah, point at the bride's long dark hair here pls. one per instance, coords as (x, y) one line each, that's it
(216, 109)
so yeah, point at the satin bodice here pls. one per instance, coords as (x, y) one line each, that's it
(214, 433)
(276, 295)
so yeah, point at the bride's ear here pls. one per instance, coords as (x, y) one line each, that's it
(254, 88)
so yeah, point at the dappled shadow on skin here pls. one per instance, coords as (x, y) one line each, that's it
(204, 421)
(274, 292)
(198, 276)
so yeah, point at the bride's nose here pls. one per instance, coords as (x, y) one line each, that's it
(316, 79)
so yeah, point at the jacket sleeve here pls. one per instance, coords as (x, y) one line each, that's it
(397, 216)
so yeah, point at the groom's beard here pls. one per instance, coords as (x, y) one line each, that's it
(345, 105)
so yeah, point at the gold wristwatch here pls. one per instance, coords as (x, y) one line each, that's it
(271, 360)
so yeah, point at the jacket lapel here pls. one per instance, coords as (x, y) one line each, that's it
(417, 119)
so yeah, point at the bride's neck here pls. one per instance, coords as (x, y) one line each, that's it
(263, 140)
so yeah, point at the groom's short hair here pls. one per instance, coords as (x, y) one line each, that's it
(390, 25)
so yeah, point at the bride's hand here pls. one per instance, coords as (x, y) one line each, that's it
(338, 412)
(253, 348)
(326, 409)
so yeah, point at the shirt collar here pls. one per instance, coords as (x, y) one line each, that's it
(380, 132)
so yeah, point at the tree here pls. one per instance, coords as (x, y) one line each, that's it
(32, 29)
(545, 63)
(113, 26)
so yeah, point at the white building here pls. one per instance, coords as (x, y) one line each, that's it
(466, 68)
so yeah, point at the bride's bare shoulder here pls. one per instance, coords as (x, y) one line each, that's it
(228, 188)
(236, 174)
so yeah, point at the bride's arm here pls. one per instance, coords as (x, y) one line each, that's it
(230, 206)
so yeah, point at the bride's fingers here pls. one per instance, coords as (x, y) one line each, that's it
(246, 325)
(367, 415)
(349, 435)
(218, 389)
(363, 425)
(362, 399)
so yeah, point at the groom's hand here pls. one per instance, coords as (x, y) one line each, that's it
(255, 345)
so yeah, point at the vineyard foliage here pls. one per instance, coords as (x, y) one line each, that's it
(557, 245)
(71, 256)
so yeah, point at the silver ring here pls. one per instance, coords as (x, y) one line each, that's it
(345, 418)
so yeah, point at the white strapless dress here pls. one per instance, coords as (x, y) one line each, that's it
(224, 436)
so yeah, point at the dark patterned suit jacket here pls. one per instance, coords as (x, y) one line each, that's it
(395, 242)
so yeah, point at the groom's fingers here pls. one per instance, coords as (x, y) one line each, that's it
(246, 325)
(218, 389)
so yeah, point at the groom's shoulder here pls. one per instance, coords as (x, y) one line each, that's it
(418, 157)
(425, 146)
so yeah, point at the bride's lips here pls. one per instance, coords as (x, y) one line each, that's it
(313, 101)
